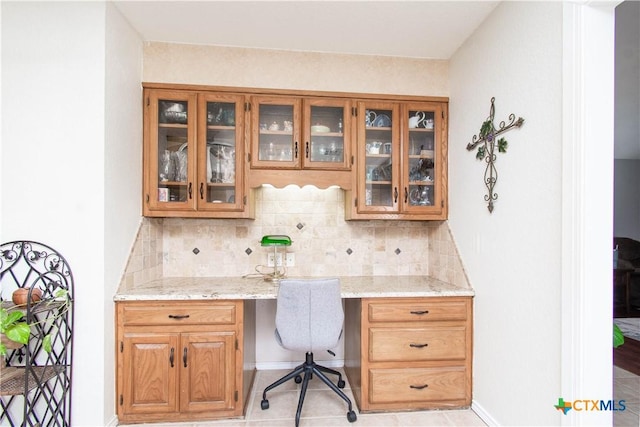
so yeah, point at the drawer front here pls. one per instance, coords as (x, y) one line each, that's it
(416, 384)
(180, 314)
(417, 344)
(418, 311)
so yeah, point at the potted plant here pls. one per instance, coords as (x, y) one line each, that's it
(14, 329)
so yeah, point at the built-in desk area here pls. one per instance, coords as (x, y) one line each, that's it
(408, 343)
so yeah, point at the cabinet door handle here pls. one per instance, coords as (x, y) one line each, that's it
(296, 149)
(306, 150)
(420, 312)
(190, 191)
(184, 357)
(178, 316)
(395, 194)
(419, 387)
(418, 345)
(406, 194)
(171, 357)
(201, 190)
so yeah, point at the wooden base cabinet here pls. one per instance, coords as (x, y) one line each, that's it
(413, 353)
(179, 361)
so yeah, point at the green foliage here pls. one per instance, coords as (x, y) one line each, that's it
(487, 133)
(15, 328)
(618, 338)
(486, 128)
(502, 145)
(46, 343)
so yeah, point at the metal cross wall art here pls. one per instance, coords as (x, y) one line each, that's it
(486, 143)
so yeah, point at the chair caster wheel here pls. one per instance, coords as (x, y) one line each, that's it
(341, 384)
(265, 404)
(351, 416)
(298, 379)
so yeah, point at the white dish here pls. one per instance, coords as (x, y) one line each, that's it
(320, 129)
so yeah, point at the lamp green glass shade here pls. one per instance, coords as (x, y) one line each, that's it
(276, 240)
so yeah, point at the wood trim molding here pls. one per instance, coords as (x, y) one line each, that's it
(290, 92)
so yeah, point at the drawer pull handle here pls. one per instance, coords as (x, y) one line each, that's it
(184, 357)
(418, 345)
(178, 316)
(420, 312)
(171, 357)
(419, 387)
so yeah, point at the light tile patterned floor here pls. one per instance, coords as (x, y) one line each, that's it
(322, 407)
(626, 386)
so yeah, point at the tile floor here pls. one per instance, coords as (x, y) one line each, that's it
(323, 408)
(626, 386)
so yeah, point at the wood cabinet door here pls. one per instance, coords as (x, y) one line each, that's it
(378, 154)
(151, 370)
(169, 159)
(208, 371)
(221, 173)
(326, 130)
(275, 132)
(424, 171)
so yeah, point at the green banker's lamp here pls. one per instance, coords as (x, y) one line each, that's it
(277, 241)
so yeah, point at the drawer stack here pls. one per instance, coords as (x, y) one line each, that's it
(415, 353)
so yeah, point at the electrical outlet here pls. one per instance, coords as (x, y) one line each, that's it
(271, 262)
(290, 259)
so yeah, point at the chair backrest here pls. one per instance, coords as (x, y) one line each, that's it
(309, 314)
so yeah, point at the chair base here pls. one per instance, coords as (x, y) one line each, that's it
(308, 368)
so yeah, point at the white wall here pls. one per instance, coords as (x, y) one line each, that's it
(540, 264)
(123, 171)
(57, 183)
(512, 256)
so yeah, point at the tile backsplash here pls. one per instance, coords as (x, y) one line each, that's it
(323, 242)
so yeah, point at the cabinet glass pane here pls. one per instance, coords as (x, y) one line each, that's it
(276, 133)
(378, 158)
(172, 151)
(421, 157)
(221, 152)
(327, 138)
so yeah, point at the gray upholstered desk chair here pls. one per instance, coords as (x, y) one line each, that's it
(309, 317)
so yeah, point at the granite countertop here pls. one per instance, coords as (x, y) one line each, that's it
(204, 288)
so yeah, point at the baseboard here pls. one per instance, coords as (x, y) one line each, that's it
(483, 414)
(266, 366)
(113, 422)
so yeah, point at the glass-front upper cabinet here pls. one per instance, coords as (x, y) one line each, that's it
(423, 157)
(193, 154)
(294, 133)
(378, 155)
(327, 130)
(220, 152)
(401, 156)
(170, 150)
(275, 132)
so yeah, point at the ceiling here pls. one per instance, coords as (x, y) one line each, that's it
(418, 29)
